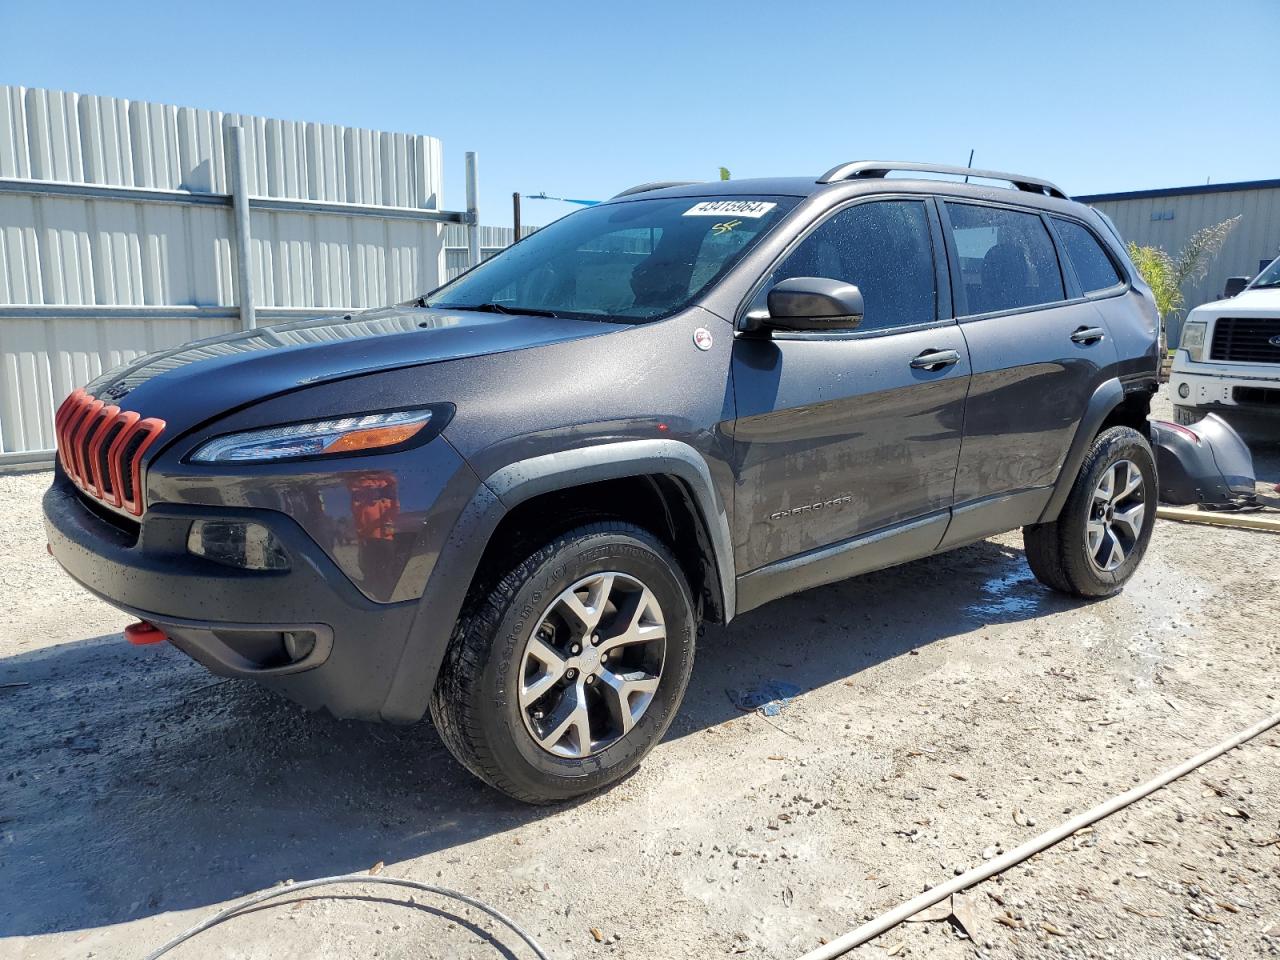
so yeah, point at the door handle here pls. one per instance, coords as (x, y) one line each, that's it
(1088, 335)
(935, 360)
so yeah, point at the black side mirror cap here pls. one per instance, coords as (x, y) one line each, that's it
(813, 303)
(1234, 285)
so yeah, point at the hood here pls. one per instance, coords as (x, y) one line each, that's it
(1263, 301)
(190, 383)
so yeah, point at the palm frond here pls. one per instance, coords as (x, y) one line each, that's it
(1193, 262)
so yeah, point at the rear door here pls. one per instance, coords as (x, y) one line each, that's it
(841, 434)
(1039, 349)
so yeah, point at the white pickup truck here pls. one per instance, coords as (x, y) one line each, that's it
(1228, 359)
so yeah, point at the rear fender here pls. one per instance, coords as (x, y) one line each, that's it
(1105, 399)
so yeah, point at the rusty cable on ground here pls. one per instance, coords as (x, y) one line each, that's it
(287, 888)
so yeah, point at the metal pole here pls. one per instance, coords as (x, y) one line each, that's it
(515, 215)
(473, 214)
(240, 211)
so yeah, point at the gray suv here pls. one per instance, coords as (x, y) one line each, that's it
(512, 501)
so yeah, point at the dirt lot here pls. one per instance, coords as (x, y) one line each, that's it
(951, 707)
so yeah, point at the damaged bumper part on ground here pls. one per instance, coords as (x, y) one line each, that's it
(1205, 463)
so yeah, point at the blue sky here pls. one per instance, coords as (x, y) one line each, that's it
(583, 99)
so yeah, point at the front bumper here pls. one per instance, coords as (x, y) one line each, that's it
(1219, 387)
(234, 621)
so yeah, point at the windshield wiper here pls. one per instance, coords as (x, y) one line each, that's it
(499, 308)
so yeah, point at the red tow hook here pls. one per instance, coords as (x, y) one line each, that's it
(142, 633)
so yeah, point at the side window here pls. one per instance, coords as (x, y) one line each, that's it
(885, 249)
(1007, 259)
(1094, 269)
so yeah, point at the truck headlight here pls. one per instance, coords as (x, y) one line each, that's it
(1192, 339)
(320, 438)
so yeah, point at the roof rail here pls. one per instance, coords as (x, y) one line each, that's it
(654, 185)
(870, 169)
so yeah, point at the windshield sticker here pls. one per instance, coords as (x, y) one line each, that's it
(726, 227)
(733, 208)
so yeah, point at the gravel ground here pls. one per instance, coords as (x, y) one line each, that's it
(951, 708)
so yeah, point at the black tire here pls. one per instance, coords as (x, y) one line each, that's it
(475, 704)
(1059, 553)
(1187, 415)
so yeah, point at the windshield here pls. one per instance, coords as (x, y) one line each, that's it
(1269, 277)
(635, 261)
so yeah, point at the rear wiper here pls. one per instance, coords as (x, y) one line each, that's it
(499, 308)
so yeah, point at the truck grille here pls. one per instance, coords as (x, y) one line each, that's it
(100, 448)
(1245, 339)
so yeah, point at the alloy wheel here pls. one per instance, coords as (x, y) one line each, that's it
(1116, 512)
(592, 665)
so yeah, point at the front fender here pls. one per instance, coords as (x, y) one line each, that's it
(503, 490)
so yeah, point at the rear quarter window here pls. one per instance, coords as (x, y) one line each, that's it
(1095, 270)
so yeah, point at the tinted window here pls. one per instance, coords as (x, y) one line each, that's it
(885, 249)
(636, 260)
(1007, 259)
(1093, 267)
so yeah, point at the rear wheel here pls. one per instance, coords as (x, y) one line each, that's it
(571, 668)
(1101, 535)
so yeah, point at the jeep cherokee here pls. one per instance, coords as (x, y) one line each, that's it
(512, 501)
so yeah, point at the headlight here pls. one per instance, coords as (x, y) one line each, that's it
(1193, 339)
(374, 431)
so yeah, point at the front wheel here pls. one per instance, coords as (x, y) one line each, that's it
(559, 680)
(1101, 535)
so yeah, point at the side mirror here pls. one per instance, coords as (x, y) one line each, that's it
(1234, 286)
(813, 303)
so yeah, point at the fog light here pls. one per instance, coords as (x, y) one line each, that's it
(299, 645)
(1184, 390)
(250, 546)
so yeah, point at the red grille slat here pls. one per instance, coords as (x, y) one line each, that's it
(152, 428)
(112, 416)
(83, 426)
(80, 439)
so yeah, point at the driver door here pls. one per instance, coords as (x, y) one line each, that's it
(847, 442)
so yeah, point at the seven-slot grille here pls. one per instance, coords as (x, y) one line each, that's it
(100, 447)
(1245, 339)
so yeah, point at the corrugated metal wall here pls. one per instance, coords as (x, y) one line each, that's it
(492, 240)
(53, 135)
(1169, 222)
(145, 257)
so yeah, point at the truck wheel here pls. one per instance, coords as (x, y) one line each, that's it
(566, 673)
(1187, 415)
(1098, 540)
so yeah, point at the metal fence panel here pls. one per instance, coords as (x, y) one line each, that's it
(117, 236)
